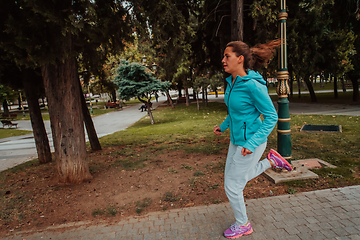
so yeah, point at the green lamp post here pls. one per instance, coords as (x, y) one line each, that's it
(283, 129)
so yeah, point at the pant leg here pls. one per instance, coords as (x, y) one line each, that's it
(238, 171)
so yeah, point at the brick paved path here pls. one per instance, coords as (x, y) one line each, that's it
(323, 214)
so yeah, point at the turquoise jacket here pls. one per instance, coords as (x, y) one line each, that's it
(247, 98)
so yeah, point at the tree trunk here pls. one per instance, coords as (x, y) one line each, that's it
(203, 94)
(237, 23)
(67, 122)
(335, 88)
(169, 99)
(197, 101)
(89, 125)
(206, 97)
(179, 87)
(5, 107)
(31, 81)
(291, 80)
(343, 84)
(321, 81)
(310, 88)
(355, 86)
(113, 93)
(299, 85)
(187, 96)
(20, 103)
(148, 107)
(216, 93)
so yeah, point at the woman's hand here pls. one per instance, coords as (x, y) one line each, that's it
(217, 131)
(245, 151)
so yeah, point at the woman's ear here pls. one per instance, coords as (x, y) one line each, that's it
(241, 59)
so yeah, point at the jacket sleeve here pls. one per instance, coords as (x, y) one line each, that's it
(226, 123)
(264, 105)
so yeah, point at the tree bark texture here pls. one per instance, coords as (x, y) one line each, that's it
(169, 99)
(67, 122)
(321, 81)
(187, 97)
(343, 84)
(89, 125)
(310, 88)
(148, 106)
(30, 82)
(203, 94)
(299, 85)
(113, 93)
(335, 88)
(237, 20)
(20, 103)
(355, 86)
(291, 80)
(197, 101)
(206, 97)
(5, 107)
(179, 88)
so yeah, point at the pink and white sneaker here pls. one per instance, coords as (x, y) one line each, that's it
(236, 231)
(279, 161)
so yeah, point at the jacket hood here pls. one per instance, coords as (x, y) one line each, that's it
(251, 75)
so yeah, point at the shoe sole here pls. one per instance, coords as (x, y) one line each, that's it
(279, 156)
(247, 233)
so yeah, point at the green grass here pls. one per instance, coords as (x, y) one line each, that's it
(5, 132)
(20, 168)
(144, 203)
(188, 167)
(339, 149)
(111, 210)
(198, 173)
(215, 186)
(97, 212)
(172, 170)
(180, 128)
(170, 197)
(129, 159)
(291, 190)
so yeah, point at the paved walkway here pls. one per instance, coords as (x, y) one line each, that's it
(323, 214)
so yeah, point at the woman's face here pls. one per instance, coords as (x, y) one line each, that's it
(231, 62)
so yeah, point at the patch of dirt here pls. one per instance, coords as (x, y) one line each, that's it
(33, 199)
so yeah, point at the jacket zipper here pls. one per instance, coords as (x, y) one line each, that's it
(245, 131)
(231, 88)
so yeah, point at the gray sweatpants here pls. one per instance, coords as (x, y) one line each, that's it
(238, 171)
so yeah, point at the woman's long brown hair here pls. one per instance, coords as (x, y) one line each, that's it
(256, 56)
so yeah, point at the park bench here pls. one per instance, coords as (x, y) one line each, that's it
(111, 105)
(10, 116)
(8, 123)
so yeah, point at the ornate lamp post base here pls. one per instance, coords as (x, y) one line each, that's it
(284, 136)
